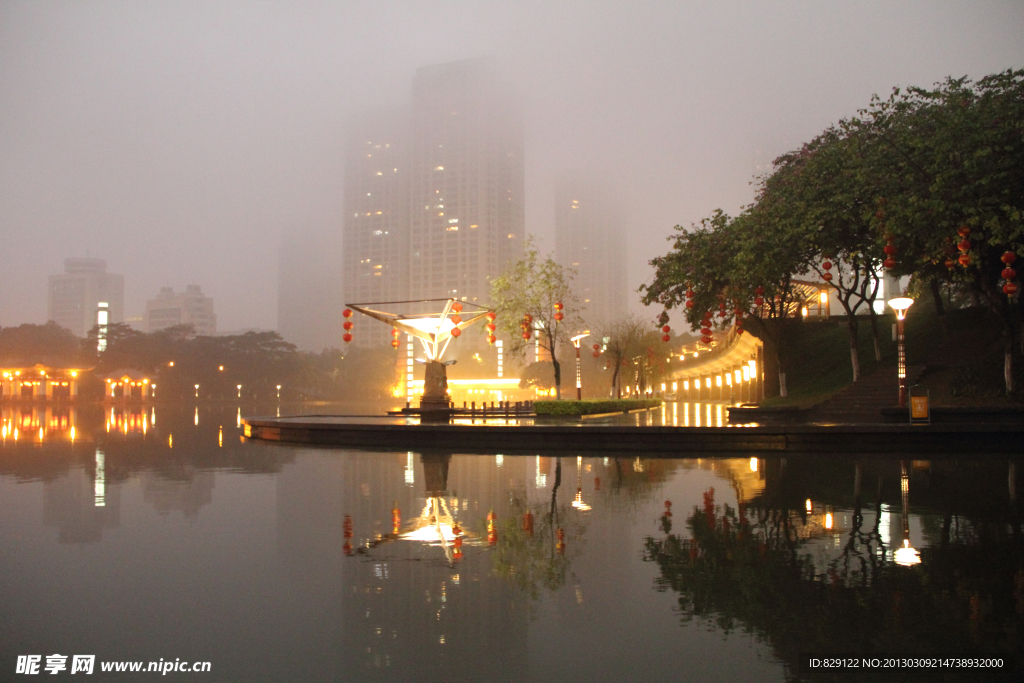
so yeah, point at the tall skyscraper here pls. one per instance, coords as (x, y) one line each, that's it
(190, 307)
(74, 295)
(434, 193)
(375, 243)
(590, 237)
(467, 181)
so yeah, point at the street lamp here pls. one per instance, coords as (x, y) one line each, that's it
(900, 305)
(579, 383)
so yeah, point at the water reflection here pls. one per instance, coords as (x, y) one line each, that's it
(434, 565)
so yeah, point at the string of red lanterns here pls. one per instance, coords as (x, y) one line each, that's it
(348, 325)
(1009, 274)
(491, 315)
(964, 246)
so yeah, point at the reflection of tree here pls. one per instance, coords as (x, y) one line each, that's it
(527, 553)
(745, 569)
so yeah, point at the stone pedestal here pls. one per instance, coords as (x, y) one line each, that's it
(435, 400)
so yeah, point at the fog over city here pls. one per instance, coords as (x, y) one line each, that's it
(186, 142)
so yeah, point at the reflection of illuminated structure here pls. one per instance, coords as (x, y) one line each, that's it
(39, 423)
(578, 500)
(39, 383)
(435, 332)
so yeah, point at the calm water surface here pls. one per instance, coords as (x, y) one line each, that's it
(161, 534)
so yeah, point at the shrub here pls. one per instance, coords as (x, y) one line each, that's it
(593, 407)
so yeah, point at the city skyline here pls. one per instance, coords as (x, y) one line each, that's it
(188, 144)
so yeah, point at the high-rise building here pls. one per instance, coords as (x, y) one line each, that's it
(375, 243)
(590, 238)
(190, 307)
(434, 193)
(74, 295)
(309, 292)
(467, 215)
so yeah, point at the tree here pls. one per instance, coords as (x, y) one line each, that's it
(527, 293)
(626, 339)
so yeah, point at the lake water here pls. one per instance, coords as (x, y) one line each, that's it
(160, 535)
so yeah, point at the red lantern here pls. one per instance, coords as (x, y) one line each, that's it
(1010, 288)
(665, 338)
(950, 263)
(347, 337)
(394, 342)
(456, 332)
(348, 325)
(705, 331)
(889, 249)
(1008, 258)
(689, 303)
(1009, 273)
(689, 294)
(491, 339)
(827, 265)
(597, 347)
(559, 316)
(758, 300)
(666, 329)
(965, 245)
(759, 291)
(491, 315)
(491, 327)
(456, 319)
(526, 335)
(394, 331)
(889, 263)
(558, 306)
(827, 277)
(596, 354)
(528, 318)
(965, 260)
(347, 313)
(963, 231)
(707, 339)
(457, 307)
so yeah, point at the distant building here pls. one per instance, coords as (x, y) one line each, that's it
(73, 297)
(309, 292)
(590, 238)
(188, 308)
(433, 193)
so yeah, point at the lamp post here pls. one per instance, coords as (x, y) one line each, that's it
(579, 382)
(900, 305)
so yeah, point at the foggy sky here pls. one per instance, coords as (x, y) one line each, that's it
(184, 141)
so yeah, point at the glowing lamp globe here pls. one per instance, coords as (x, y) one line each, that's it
(900, 305)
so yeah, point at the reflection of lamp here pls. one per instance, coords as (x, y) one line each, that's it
(900, 305)
(906, 556)
(578, 501)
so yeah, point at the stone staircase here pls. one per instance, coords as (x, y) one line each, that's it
(861, 402)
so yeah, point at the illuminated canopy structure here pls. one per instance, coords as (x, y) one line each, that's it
(435, 331)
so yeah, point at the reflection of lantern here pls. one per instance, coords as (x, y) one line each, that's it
(528, 522)
(560, 546)
(347, 337)
(396, 519)
(346, 527)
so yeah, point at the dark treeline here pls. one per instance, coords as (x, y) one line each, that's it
(176, 359)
